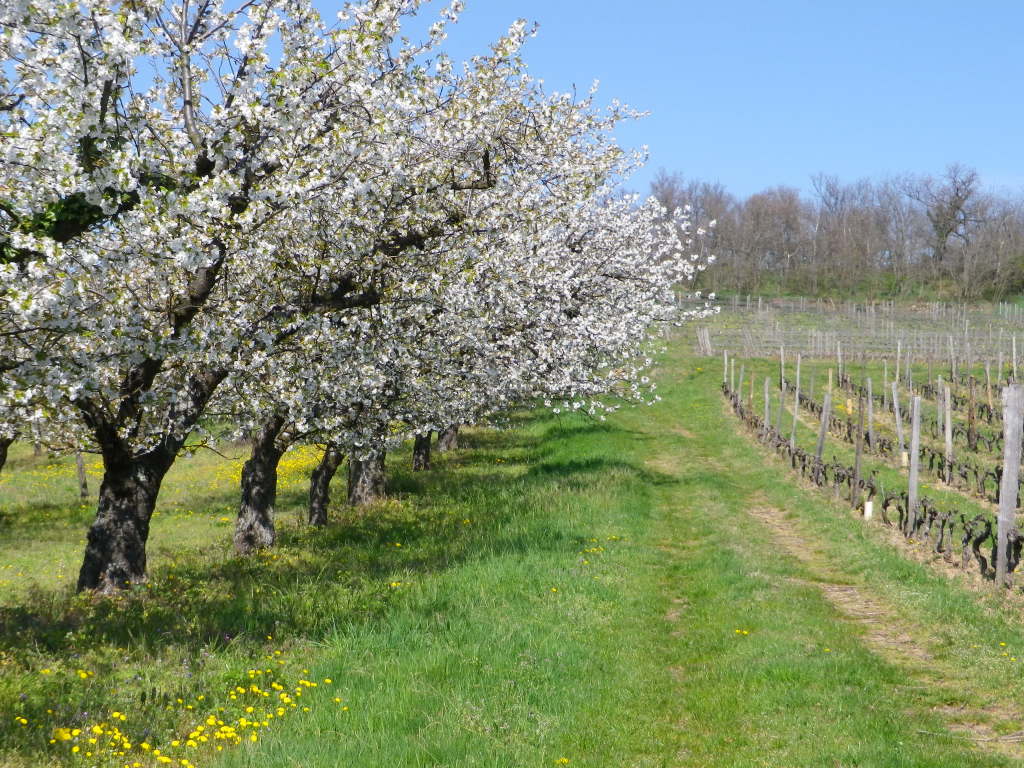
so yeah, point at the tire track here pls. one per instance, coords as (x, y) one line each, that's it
(888, 636)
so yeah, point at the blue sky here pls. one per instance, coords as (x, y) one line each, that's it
(757, 94)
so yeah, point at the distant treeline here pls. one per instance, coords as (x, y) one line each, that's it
(926, 236)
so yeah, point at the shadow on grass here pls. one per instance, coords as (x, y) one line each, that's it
(22, 457)
(29, 519)
(485, 500)
(580, 473)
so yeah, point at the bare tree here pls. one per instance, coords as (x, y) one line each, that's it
(896, 236)
(949, 204)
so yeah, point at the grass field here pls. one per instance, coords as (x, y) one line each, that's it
(650, 591)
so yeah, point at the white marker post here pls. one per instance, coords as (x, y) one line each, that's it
(1013, 408)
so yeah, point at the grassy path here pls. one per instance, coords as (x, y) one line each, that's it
(911, 658)
(799, 684)
(703, 640)
(650, 591)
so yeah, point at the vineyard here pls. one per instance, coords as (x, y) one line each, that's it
(876, 401)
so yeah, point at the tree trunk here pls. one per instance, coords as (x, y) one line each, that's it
(5, 443)
(254, 529)
(115, 549)
(421, 452)
(320, 484)
(448, 439)
(366, 478)
(83, 482)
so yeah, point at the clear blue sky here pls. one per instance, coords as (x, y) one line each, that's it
(754, 94)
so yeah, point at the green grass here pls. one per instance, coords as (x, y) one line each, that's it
(563, 590)
(460, 621)
(775, 696)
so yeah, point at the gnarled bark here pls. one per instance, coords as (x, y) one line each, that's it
(115, 550)
(5, 443)
(421, 452)
(254, 528)
(366, 478)
(448, 439)
(320, 484)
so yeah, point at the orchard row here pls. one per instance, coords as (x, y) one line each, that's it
(245, 220)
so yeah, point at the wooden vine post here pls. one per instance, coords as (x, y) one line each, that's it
(826, 412)
(915, 450)
(782, 389)
(871, 416)
(855, 485)
(885, 385)
(988, 383)
(972, 422)
(899, 353)
(767, 407)
(947, 409)
(952, 361)
(1013, 408)
(899, 424)
(796, 406)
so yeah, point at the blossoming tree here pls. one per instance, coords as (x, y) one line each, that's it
(325, 231)
(156, 157)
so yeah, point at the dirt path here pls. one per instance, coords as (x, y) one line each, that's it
(888, 636)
